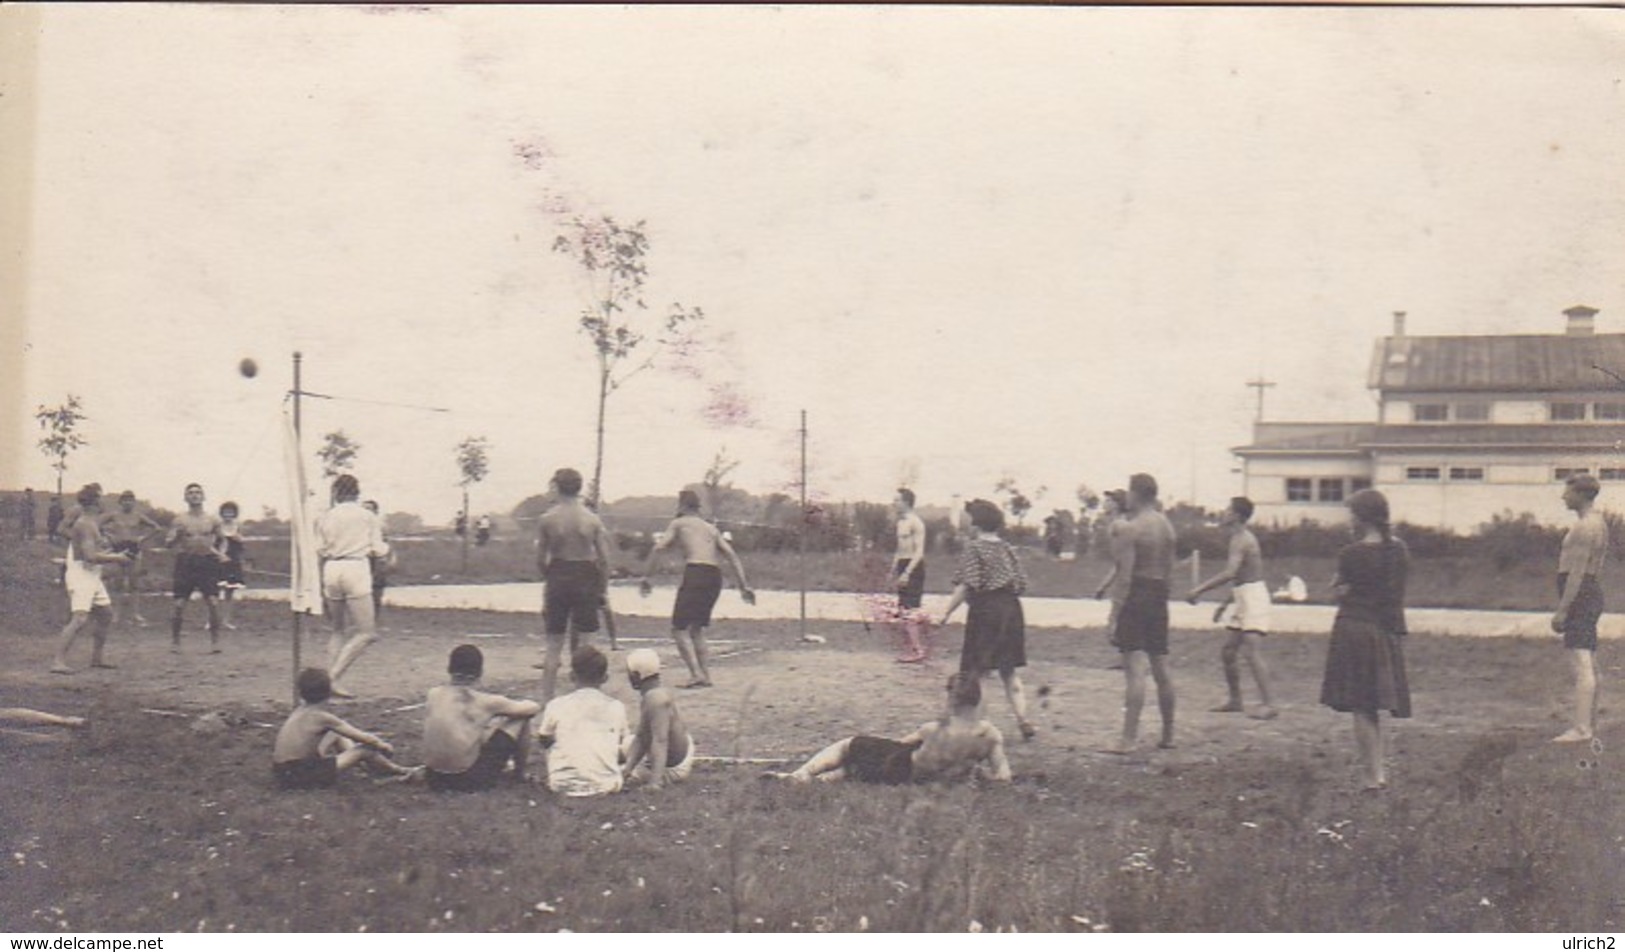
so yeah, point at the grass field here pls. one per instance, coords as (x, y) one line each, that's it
(168, 821)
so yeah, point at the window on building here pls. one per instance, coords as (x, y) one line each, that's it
(1330, 490)
(1612, 412)
(1430, 412)
(1567, 412)
(1472, 413)
(1564, 473)
(1611, 473)
(1358, 483)
(1299, 490)
(1421, 472)
(1467, 474)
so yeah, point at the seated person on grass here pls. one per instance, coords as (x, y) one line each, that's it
(470, 736)
(956, 746)
(314, 744)
(582, 731)
(662, 748)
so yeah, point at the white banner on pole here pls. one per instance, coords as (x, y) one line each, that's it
(305, 582)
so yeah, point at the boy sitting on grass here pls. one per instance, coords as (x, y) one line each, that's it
(956, 746)
(314, 744)
(582, 731)
(470, 736)
(662, 749)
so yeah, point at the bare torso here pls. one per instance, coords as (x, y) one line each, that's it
(457, 721)
(660, 705)
(695, 537)
(910, 537)
(1152, 536)
(1585, 546)
(570, 533)
(951, 749)
(195, 533)
(1246, 558)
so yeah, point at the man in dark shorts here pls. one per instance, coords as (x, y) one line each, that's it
(702, 583)
(471, 736)
(199, 550)
(956, 746)
(127, 529)
(908, 575)
(1143, 549)
(1580, 603)
(573, 554)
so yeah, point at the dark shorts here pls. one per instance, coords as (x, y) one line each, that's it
(131, 549)
(702, 585)
(880, 760)
(196, 573)
(486, 770)
(571, 597)
(909, 595)
(311, 774)
(1142, 624)
(1580, 628)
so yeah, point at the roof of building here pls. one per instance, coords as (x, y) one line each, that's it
(1312, 439)
(1527, 363)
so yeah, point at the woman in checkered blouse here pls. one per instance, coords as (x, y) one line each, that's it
(990, 579)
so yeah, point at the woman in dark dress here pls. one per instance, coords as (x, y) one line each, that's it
(1365, 664)
(990, 579)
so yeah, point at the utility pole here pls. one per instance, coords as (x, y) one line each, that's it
(1260, 384)
(801, 537)
(293, 598)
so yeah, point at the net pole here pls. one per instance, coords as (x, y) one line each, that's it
(801, 537)
(293, 535)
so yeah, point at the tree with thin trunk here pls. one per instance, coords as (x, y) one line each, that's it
(62, 434)
(473, 463)
(716, 480)
(614, 259)
(337, 454)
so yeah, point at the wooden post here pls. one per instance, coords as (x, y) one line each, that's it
(293, 538)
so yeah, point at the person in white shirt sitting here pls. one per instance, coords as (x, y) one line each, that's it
(583, 731)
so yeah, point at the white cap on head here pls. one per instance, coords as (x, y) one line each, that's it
(643, 662)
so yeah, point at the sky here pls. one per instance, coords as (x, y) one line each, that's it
(971, 243)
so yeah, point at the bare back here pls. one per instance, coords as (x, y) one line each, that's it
(458, 719)
(301, 735)
(1246, 558)
(1585, 546)
(697, 538)
(1152, 537)
(951, 749)
(659, 712)
(570, 532)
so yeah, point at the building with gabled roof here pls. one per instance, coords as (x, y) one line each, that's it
(1468, 427)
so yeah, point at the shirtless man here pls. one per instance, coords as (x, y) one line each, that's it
(87, 596)
(573, 554)
(1113, 510)
(909, 574)
(348, 537)
(314, 744)
(1249, 604)
(956, 746)
(662, 748)
(199, 551)
(702, 583)
(469, 735)
(127, 529)
(1580, 604)
(1144, 553)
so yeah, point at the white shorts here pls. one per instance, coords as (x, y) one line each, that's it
(344, 579)
(640, 773)
(85, 588)
(1250, 610)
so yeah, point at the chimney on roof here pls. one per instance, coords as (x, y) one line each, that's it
(1582, 320)
(1399, 323)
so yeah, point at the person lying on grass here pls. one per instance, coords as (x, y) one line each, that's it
(582, 731)
(959, 745)
(314, 744)
(470, 736)
(662, 748)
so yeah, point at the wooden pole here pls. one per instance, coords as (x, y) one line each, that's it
(801, 537)
(293, 537)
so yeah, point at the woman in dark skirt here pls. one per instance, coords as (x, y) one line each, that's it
(1365, 665)
(990, 579)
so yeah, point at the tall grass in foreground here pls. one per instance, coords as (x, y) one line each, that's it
(1494, 831)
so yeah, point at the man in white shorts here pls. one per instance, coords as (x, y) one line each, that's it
(347, 538)
(87, 595)
(1249, 610)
